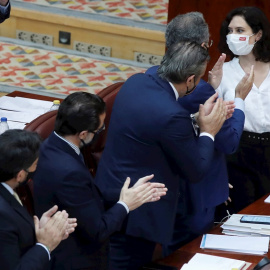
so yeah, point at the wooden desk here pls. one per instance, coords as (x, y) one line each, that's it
(185, 253)
(30, 95)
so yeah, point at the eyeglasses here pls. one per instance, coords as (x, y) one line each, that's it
(207, 45)
(99, 130)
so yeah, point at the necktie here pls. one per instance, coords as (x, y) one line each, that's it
(17, 197)
(81, 157)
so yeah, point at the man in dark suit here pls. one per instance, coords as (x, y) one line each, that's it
(150, 131)
(4, 10)
(203, 197)
(24, 244)
(63, 178)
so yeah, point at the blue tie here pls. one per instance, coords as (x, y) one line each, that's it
(81, 157)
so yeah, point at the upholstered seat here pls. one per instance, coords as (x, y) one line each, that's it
(44, 125)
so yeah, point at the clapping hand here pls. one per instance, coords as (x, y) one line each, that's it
(71, 224)
(215, 75)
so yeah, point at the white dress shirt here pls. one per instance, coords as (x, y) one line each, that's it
(257, 103)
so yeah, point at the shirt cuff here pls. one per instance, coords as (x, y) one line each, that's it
(239, 104)
(4, 8)
(39, 244)
(124, 204)
(208, 135)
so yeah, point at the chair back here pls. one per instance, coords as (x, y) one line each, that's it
(93, 152)
(44, 126)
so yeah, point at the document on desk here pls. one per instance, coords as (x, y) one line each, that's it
(233, 226)
(210, 262)
(24, 117)
(16, 125)
(245, 244)
(21, 104)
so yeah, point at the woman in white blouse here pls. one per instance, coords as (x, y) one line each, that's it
(245, 36)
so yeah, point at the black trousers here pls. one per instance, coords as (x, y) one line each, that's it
(249, 170)
(129, 253)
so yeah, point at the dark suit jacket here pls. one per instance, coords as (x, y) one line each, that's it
(17, 237)
(149, 133)
(213, 190)
(4, 16)
(62, 178)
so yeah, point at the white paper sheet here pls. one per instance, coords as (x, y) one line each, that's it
(24, 117)
(245, 244)
(210, 262)
(16, 125)
(234, 224)
(25, 104)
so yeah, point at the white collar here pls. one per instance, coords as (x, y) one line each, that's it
(174, 90)
(8, 188)
(72, 145)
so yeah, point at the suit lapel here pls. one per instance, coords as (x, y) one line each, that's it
(16, 205)
(54, 140)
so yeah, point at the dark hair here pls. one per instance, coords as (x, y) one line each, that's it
(183, 60)
(187, 27)
(18, 151)
(79, 111)
(257, 20)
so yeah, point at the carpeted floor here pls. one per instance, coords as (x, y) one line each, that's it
(38, 68)
(153, 11)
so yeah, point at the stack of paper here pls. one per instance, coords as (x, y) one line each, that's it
(233, 226)
(209, 262)
(245, 244)
(20, 111)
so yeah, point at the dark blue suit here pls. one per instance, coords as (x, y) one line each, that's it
(62, 178)
(149, 133)
(4, 16)
(17, 237)
(202, 198)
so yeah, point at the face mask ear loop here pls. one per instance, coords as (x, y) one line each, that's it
(255, 39)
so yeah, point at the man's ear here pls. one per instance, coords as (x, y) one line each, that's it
(190, 81)
(83, 134)
(20, 176)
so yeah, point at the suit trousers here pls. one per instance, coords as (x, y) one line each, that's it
(128, 252)
(189, 226)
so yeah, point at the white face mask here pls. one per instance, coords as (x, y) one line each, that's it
(239, 44)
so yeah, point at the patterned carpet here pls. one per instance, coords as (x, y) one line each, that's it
(154, 11)
(24, 66)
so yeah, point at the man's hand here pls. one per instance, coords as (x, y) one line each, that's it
(53, 231)
(212, 122)
(142, 192)
(159, 189)
(244, 86)
(230, 108)
(72, 222)
(209, 105)
(47, 215)
(215, 75)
